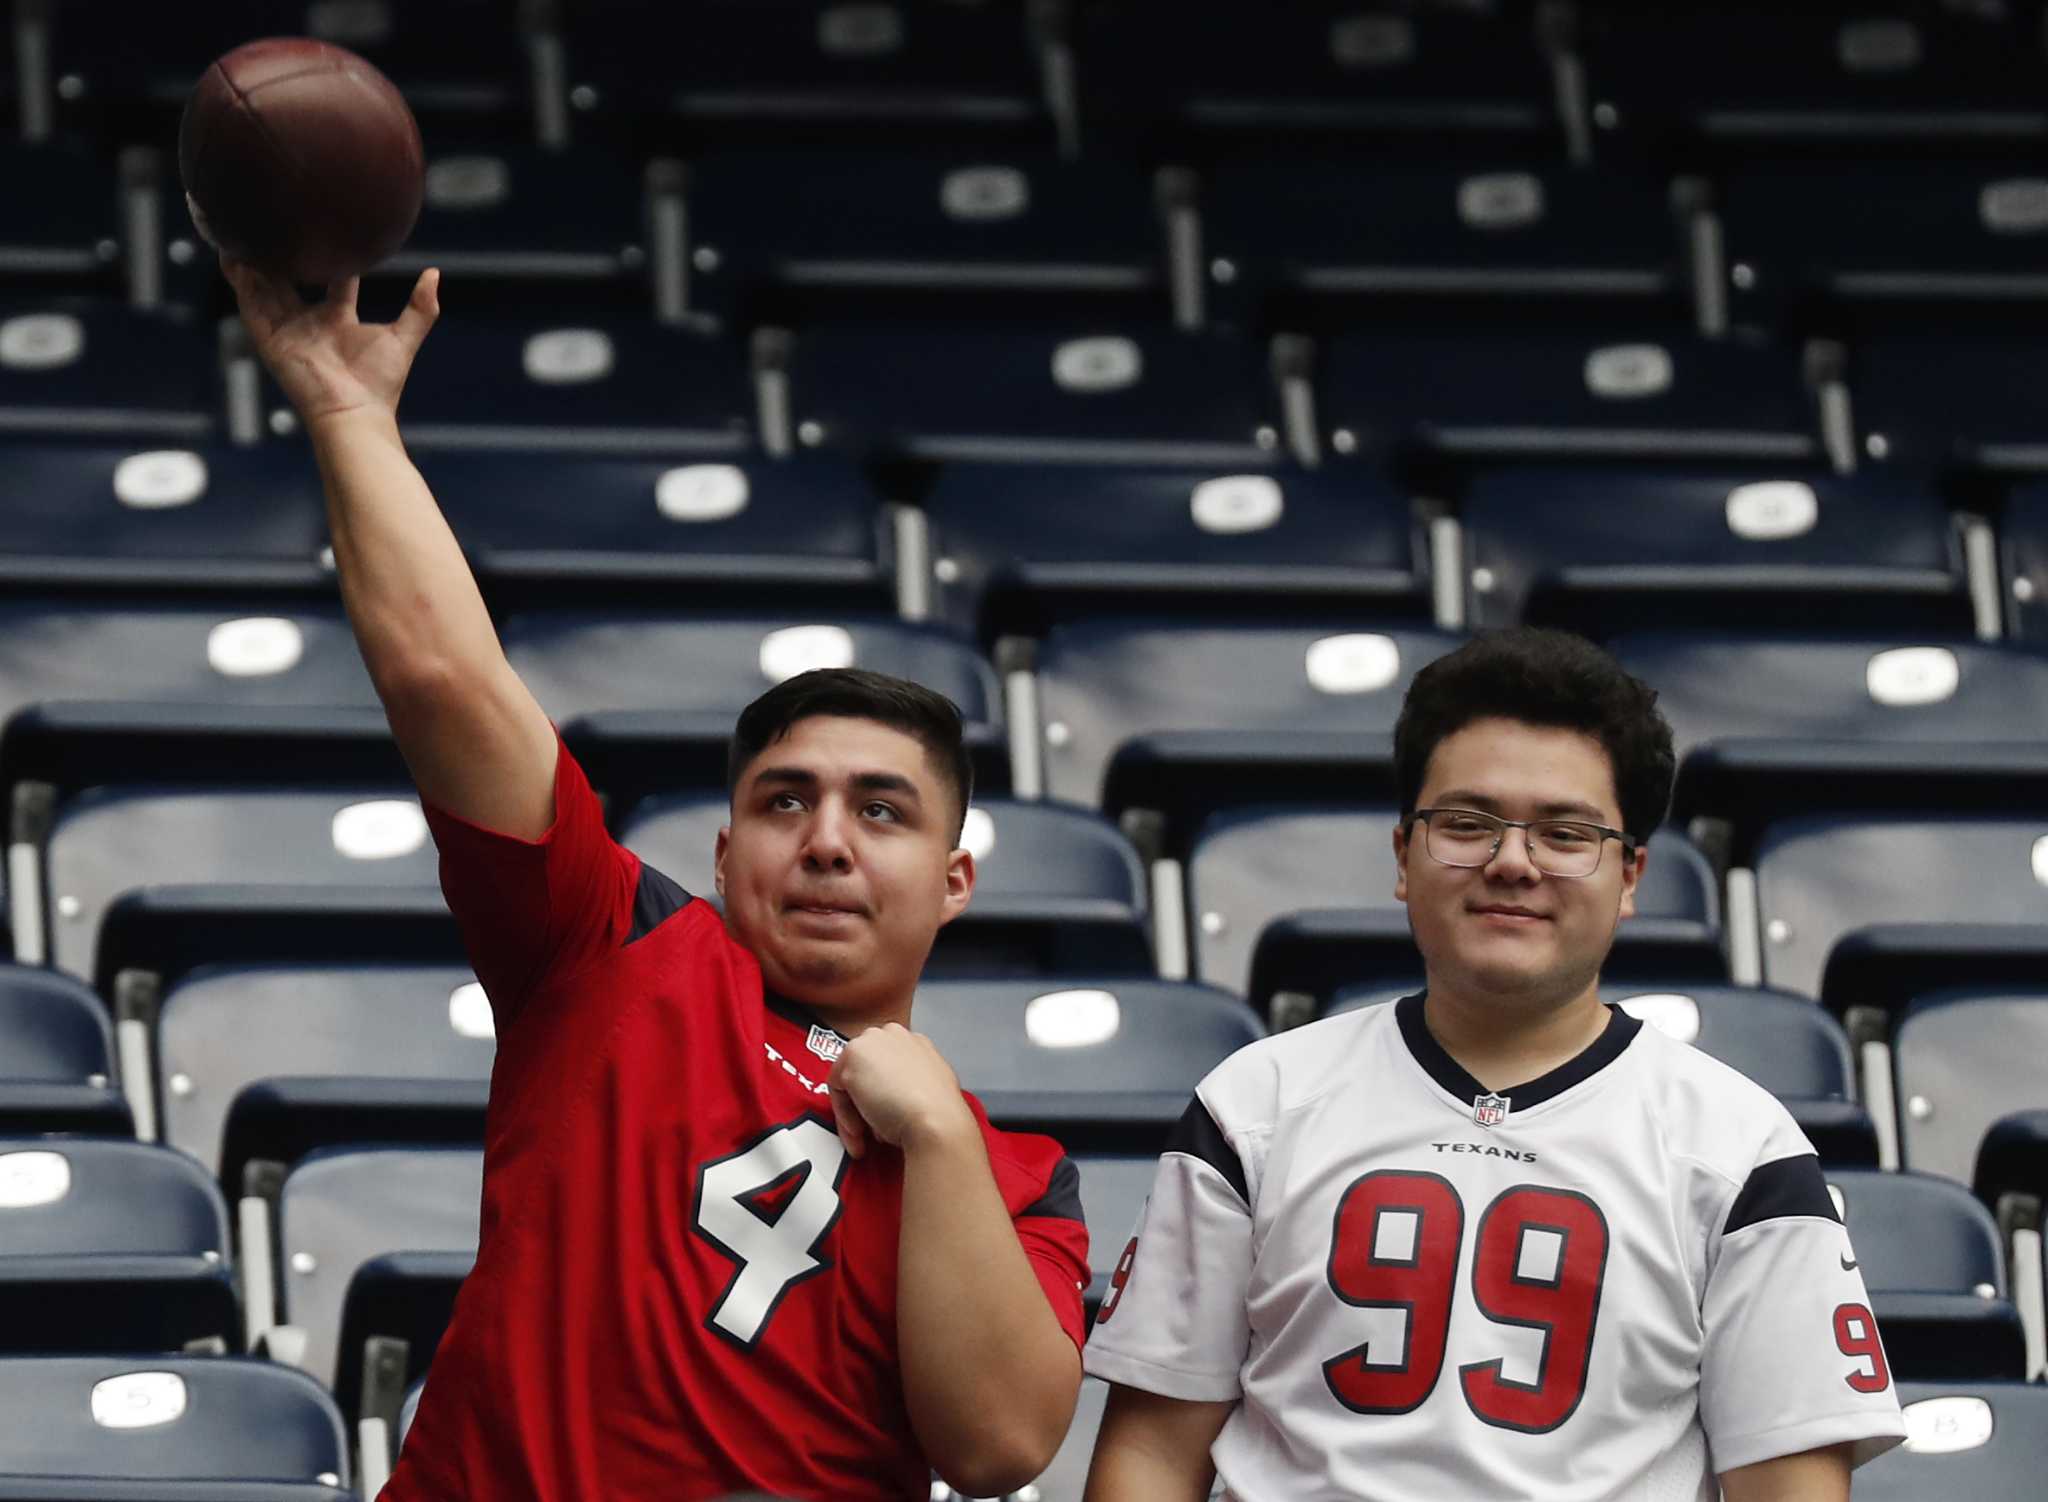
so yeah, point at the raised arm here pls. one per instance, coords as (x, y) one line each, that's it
(477, 743)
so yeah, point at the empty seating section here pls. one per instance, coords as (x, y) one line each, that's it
(1167, 386)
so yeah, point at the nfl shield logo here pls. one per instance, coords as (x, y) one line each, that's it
(1490, 1110)
(825, 1043)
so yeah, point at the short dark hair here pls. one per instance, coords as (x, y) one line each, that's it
(1541, 677)
(929, 718)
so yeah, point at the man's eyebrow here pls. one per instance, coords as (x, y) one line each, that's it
(1564, 809)
(861, 782)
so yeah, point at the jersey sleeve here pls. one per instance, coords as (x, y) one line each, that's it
(1792, 1358)
(533, 910)
(1054, 1235)
(1173, 1322)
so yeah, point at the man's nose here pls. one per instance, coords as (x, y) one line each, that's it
(826, 843)
(1513, 862)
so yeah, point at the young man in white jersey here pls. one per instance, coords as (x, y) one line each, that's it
(1496, 1240)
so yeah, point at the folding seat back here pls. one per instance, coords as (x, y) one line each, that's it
(1963, 1439)
(2024, 539)
(1965, 1058)
(1017, 548)
(168, 1429)
(56, 1056)
(110, 1246)
(71, 366)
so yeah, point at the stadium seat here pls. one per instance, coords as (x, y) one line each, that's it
(1950, 398)
(1237, 69)
(788, 234)
(59, 220)
(1016, 548)
(1980, 1440)
(374, 1242)
(648, 701)
(1604, 551)
(1302, 900)
(1643, 391)
(1754, 77)
(805, 69)
(73, 366)
(56, 1057)
(1772, 726)
(132, 688)
(1317, 237)
(109, 1246)
(587, 529)
(2012, 1157)
(1180, 715)
(1872, 911)
(167, 1429)
(576, 385)
(1964, 1059)
(1852, 237)
(1058, 891)
(163, 879)
(95, 515)
(1104, 1065)
(1935, 1270)
(272, 1061)
(1077, 393)
(2024, 540)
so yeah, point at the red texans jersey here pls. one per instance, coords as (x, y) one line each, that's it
(684, 1286)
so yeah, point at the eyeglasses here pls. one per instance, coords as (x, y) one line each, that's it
(1557, 847)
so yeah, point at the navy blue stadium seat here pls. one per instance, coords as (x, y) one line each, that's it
(162, 879)
(1647, 392)
(1771, 726)
(56, 1057)
(1756, 76)
(577, 384)
(272, 1061)
(1964, 1059)
(1075, 393)
(167, 1429)
(1378, 235)
(553, 224)
(1935, 1269)
(2013, 1157)
(1058, 891)
(648, 700)
(1871, 911)
(557, 529)
(58, 214)
(1104, 1065)
(1957, 398)
(1236, 69)
(73, 367)
(110, 1246)
(1981, 1440)
(97, 515)
(1302, 900)
(1843, 237)
(786, 234)
(374, 1242)
(1601, 551)
(1017, 547)
(134, 688)
(805, 69)
(2024, 541)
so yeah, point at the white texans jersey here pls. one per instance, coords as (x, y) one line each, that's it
(1614, 1282)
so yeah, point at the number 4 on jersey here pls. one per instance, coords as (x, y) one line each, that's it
(768, 1207)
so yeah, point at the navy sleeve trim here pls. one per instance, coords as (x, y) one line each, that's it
(1782, 1189)
(655, 901)
(1062, 1197)
(1198, 1136)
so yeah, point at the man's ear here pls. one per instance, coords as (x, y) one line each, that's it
(718, 860)
(1400, 863)
(1631, 873)
(959, 885)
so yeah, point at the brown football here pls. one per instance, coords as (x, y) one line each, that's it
(301, 158)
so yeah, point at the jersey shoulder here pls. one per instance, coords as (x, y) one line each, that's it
(1711, 1113)
(1264, 1080)
(1027, 1165)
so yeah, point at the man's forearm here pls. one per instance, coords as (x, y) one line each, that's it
(410, 596)
(989, 1374)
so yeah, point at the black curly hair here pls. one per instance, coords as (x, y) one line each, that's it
(1542, 677)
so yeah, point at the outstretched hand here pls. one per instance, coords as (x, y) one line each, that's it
(328, 361)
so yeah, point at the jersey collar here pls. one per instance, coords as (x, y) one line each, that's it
(1620, 1031)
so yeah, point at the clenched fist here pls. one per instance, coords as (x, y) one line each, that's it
(895, 1086)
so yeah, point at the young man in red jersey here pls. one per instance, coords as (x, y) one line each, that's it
(740, 1226)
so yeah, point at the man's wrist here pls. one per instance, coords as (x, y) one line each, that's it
(943, 1129)
(351, 423)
